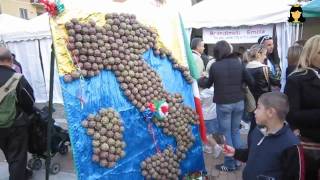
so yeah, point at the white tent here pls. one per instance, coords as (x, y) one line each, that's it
(36, 28)
(215, 13)
(10, 23)
(30, 41)
(234, 14)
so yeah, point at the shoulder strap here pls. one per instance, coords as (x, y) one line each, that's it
(10, 85)
(266, 73)
(316, 73)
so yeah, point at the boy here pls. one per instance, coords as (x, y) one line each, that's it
(211, 122)
(210, 116)
(273, 152)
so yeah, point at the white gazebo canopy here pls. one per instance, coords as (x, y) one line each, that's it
(22, 30)
(10, 24)
(224, 13)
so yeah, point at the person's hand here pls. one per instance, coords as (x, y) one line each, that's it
(296, 132)
(228, 150)
(204, 74)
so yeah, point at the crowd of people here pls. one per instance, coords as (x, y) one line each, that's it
(284, 140)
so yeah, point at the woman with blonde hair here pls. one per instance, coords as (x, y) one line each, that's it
(259, 71)
(303, 91)
(261, 74)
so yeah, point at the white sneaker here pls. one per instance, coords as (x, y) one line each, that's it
(245, 125)
(217, 151)
(207, 149)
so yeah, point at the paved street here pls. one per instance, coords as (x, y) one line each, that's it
(67, 168)
(67, 171)
(38, 175)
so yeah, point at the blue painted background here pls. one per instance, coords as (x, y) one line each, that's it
(103, 91)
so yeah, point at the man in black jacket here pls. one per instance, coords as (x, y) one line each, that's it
(14, 139)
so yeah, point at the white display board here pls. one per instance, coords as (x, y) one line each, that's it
(236, 35)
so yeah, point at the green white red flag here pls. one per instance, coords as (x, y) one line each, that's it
(195, 74)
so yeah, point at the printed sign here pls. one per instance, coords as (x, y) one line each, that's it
(237, 35)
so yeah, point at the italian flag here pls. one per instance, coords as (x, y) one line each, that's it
(195, 74)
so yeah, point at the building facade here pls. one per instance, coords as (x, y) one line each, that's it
(26, 9)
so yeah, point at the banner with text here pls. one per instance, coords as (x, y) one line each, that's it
(236, 35)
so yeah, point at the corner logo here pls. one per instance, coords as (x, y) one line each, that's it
(296, 14)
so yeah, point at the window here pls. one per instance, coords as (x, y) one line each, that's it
(23, 13)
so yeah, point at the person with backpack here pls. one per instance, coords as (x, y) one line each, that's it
(16, 102)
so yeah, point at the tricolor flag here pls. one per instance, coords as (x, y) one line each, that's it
(195, 74)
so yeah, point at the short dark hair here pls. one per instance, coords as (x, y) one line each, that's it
(294, 53)
(277, 101)
(222, 50)
(5, 54)
(195, 42)
(301, 42)
(263, 38)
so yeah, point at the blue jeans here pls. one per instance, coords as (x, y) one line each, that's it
(212, 126)
(229, 117)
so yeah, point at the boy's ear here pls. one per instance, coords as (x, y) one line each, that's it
(271, 112)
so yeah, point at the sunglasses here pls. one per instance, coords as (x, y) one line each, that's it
(265, 38)
(260, 50)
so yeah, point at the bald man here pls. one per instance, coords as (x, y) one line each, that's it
(17, 94)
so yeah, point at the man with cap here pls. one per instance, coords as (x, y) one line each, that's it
(16, 102)
(272, 60)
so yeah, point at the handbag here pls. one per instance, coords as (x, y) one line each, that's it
(250, 102)
(267, 77)
(311, 153)
(266, 74)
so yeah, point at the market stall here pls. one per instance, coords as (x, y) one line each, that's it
(231, 21)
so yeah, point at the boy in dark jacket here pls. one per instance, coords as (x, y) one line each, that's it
(273, 152)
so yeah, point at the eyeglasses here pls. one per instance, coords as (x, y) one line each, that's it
(266, 37)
